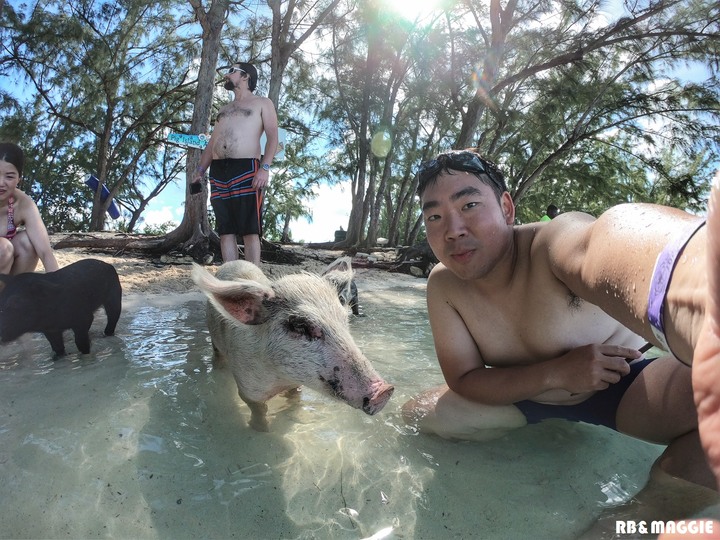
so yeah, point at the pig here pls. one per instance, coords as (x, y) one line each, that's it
(279, 335)
(340, 274)
(56, 301)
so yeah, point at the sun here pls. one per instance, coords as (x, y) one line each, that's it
(413, 10)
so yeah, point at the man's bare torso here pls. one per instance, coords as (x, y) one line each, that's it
(535, 317)
(238, 129)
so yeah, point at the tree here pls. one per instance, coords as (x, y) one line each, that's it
(577, 108)
(541, 96)
(195, 227)
(109, 74)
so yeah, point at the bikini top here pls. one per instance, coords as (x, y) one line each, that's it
(11, 229)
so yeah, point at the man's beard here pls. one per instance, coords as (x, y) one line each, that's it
(229, 85)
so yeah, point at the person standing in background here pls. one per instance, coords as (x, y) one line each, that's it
(238, 171)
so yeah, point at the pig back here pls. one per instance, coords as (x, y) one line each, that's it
(56, 300)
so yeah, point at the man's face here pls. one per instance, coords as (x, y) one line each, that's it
(467, 229)
(233, 77)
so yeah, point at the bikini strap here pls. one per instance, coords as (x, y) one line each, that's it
(10, 216)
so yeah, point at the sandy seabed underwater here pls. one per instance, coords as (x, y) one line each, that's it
(144, 438)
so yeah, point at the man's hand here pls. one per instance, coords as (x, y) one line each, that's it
(261, 179)
(593, 367)
(195, 187)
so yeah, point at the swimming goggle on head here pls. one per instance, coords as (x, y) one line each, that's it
(459, 160)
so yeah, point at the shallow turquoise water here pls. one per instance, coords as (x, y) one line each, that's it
(143, 438)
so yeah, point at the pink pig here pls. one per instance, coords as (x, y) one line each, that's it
(279, 335)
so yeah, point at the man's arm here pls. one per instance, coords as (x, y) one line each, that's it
(205, 158)
(580, 370)
(270, 127)
(609, 262)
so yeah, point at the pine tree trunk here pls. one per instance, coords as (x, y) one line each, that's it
(195, 226)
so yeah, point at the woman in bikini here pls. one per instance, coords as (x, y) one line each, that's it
(23, 238)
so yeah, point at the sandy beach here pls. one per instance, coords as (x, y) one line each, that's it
(145, 274)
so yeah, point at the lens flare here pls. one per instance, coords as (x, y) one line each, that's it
(380, 143)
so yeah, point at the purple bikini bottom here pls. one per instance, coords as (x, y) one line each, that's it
(664, 266)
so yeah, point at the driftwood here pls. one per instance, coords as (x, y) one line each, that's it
(417, 260)
(117, 242)
(204, 252)
(418, 256)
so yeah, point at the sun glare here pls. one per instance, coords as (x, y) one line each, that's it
(413, 10)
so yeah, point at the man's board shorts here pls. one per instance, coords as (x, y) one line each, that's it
(599, 409)
(237, 206)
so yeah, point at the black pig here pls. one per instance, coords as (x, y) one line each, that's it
(56, 301)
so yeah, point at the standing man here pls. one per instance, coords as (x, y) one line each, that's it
(238, 171)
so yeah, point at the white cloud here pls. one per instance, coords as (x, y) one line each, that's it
(153, 217)
(330, 211)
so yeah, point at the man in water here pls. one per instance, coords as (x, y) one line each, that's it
(523, 300)
(237, 174)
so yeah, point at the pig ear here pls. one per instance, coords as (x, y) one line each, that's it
(240, 299)
(341, 264)
(340, 274)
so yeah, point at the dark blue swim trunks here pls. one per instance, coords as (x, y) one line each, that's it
(237, 206)
(599, 409)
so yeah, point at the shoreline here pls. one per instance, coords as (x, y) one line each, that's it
(144, 275)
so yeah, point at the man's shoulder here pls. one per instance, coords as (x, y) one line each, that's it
(443, 279)
(265, 102)
(255, 98)
(439, 272)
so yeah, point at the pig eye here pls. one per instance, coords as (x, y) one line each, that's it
(303, 328)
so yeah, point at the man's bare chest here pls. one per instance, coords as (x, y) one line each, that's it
(533, 326)
(238, 111)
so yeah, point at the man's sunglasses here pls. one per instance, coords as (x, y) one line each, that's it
(460, 161)
(230, 70)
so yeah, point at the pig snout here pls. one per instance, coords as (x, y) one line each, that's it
(368, 395)
(375, 402)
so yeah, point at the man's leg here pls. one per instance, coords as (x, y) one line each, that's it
(706, 358)
(228, 247)
(252, 247)
(442, 412)
(658, 407)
